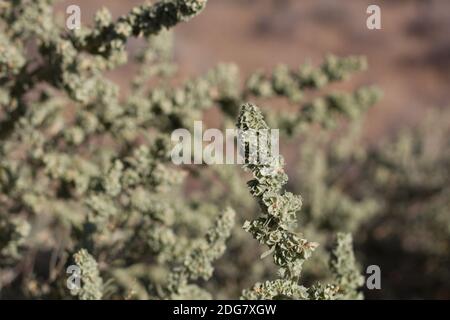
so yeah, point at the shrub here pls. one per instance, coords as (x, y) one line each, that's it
(86, 177)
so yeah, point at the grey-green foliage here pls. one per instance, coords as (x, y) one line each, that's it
(348, 278)
(91, 286)
(13, 234)
(87, 173)
(276, 228)
(327, 157)
(293, 83)
(197, 262)
(408, 176)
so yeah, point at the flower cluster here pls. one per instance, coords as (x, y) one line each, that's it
(85, 172)
(276, 228)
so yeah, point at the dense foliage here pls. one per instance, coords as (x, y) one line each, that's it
(86, 177)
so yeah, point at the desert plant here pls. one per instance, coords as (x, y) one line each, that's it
(276, 229)
(86, 177)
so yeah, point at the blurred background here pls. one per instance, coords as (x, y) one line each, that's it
(409, 59)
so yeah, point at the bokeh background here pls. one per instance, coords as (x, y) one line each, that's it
(409, 59)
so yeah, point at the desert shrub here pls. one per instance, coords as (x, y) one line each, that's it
(408, 177)
(86, 177)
